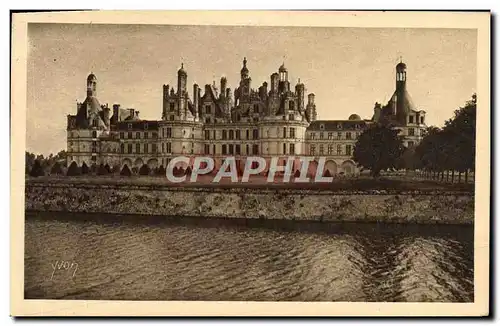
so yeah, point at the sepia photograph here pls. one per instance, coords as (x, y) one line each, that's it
(188, 159)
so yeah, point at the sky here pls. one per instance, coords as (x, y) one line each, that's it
(348, 69)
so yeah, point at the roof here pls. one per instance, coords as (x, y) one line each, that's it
(282, 68)
(91, 77)
(92, 103)
(336, 125)
(354, 117)
(137, 125)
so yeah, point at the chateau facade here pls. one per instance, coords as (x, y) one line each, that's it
(273, 120)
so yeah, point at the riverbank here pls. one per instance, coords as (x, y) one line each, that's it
(327, 204)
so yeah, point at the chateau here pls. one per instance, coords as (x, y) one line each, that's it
(272, 120)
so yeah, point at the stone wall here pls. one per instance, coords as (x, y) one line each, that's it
(318, 205)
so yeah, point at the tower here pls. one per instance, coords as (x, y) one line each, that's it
(284, 85)
(401, 92)
(299, 90)
(91, 85)
(181, 81)
(244, 70)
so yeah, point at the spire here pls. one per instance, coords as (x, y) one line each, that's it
(244, 62)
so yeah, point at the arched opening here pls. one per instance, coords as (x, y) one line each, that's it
(153, 164)
(85, 168)
(348, 167)
(331, 168)
(312, 169)
(144, 170)
(138, 163)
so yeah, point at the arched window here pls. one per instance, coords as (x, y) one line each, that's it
(94, 134)
(122, 148)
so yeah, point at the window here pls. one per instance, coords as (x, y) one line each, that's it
(129, 126)
(169, 132)
(231, 134)
(422, 120)
(339, 126)
(122, 135)
(284, 132)
(207, 134)
(248, 149)
(94, 123)
(213, 148)
(411, 132)
(339, 149)
(138, 135)
(224, 151)
(146, 148)
(291, 117)
(163, 147)
(224, 134)
(94, 147)
(284, 148)
(291, 105)
(208, 109)
(172, 106)
(248, 134)
(238, 149)
(321, 149)
(129, 148)
(153, 148)
(292, 149)
(172, 117)
(339, 135)
(348, 150)
(410, 118)
(321, 135)
(168, 147)
(255, 149)
(330, 135)
(155, 135)
(94, 134)
(207, 119)
(238, 134)
(330, 149)
(411, 144)
(122, 148)
(129, 135)
(348, 135)
(146, 126)
(321, 126)
(255, 119)
(256, 108)
(313, 136)
(231, 149)
(137, 148)
(312, 150)
(192, 148)
(256, 134)
(146, 135)
(207, 149)
(292, 132)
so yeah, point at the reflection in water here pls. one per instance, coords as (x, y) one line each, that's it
(215, 260)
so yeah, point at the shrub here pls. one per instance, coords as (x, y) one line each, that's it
(144, 170)
(73, 169)
(56, 169)
(85, 168)
(37, 169)
(126, 171)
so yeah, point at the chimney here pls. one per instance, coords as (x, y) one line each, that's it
(223, 85)
(105, 113)
(299, 89)
(196, 91)
(131, 113)
(137, 114)
(310, 99)
(274, 82)
(116, 112)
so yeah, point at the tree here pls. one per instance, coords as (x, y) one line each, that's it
(37, 169)
(56, 169)
(378, 149)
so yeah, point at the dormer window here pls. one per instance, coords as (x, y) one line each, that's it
(339, 126)
(94, 123)
(322, 126)
(129, 126)
(146, 126)
(356, 126)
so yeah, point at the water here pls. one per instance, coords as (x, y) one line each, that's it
(139, 258)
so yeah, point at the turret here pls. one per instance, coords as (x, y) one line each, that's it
(181, 81)
(91, 85)
(311, 108)
(401, 92)
(244, 70)
(299, 90)
(106, 115)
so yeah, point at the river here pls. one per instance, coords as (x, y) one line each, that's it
(92, 257)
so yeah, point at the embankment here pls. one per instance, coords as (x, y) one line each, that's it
(390, 206)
